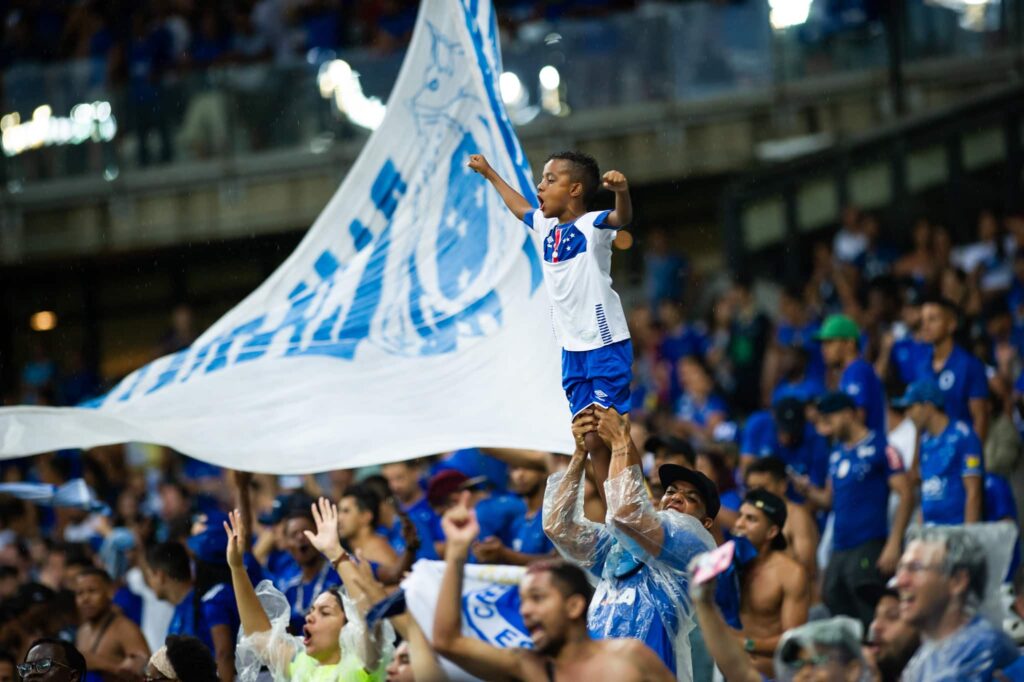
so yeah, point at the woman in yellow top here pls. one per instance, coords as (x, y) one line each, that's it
(336, 645)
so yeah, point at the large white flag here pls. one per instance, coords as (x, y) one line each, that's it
(412, 319)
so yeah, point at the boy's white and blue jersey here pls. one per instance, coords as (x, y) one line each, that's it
(586, 314)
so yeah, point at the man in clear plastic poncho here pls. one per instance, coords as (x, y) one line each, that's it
(943, 577)
(640, 554)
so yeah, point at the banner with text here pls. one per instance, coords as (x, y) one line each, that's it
(412, 319)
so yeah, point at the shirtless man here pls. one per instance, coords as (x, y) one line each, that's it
(357, 524)
(774, 589)
(554, 599)
(800, 531)
(113, 646)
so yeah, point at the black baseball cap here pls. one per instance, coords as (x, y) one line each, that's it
(774, 507)
(675, 446)
(789, 415)
(835, 401)
(669, 473)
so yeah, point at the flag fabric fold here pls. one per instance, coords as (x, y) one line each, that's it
(411, 319)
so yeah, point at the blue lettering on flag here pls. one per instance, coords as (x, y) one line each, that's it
(441, 312)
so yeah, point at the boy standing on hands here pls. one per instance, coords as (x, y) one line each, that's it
(597, 356)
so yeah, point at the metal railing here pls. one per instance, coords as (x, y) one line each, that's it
(69, 120)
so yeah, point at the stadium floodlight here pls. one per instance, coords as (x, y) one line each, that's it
(511, 88)
(87, 121)
(339, 82)
(787, 13)
(550, 79)
(43, 321)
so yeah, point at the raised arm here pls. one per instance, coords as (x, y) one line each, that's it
(357, 585)
(670, 537)
(243, 491)
(631, 510)
(974, 486)
(250, 612)
(623, 213)
(723, 646)
(579, 539)
(531, 459)
(804, 541)
(899, 484)
(980, 410)
(476, 656)
(515, 201)
(819, 497)
(425, 666)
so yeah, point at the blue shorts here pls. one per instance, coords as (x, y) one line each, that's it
(598, 377)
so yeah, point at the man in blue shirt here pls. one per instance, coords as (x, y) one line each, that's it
(959, 375)
(404, 482)
(839, 338)
(941, 577)
(529, 543)
(496, 513)
(784, 432)
(168, 573)
(641, 555)
(950, 458)
(863, 469)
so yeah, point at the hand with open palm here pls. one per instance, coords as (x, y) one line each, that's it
(326, 540)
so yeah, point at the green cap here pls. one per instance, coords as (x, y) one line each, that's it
(838, 327)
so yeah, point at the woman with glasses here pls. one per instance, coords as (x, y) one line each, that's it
(182, 658)
(336, 645)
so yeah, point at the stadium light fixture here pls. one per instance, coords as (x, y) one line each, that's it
(788, 13)
(88, 121)
(512, 92)
(339, 82)
(43, 321)
(550, 79)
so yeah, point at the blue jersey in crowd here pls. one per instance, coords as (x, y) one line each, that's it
(961, 379)
(473, 463)
(497, 516)
(999, 506)
(809, 457)
(528, 535)
(280, 565)
(905, 356)
(804, 337)
(699, 413)
(860, 490)
(805, 390)
(216, 607)
(860, 382)
(945, 460)
(424, 518)
(301, 595)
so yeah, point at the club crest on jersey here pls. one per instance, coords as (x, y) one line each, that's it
(947, 379)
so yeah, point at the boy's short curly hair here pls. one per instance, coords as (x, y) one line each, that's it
(584, 169)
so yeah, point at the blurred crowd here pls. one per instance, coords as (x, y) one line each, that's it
(116, 37)
(810, 423)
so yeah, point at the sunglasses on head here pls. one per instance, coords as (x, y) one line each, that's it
(39, 667)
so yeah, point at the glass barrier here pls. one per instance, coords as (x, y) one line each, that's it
(73, 119)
